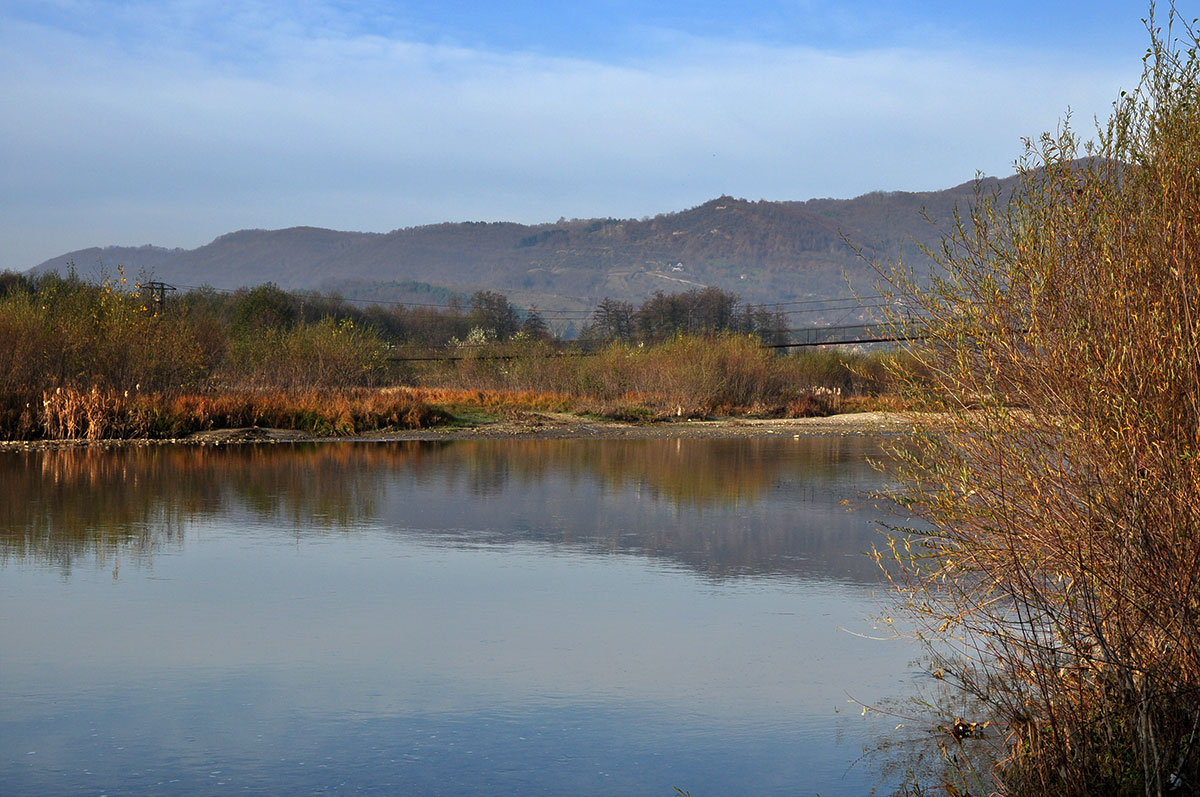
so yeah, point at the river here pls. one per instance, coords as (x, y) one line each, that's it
(474, 617)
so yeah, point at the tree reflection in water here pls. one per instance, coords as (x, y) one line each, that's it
(780, 500)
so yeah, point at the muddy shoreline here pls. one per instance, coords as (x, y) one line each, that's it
(533, 425)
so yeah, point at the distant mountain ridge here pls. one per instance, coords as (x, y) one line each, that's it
(764, 251)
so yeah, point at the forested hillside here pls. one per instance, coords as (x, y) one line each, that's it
(763, 251)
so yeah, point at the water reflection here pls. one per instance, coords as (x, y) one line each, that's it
(655, 498)
(470, 617)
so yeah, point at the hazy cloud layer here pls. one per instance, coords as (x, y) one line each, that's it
(172, 124)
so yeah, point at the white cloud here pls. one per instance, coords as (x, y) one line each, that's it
(159, 142)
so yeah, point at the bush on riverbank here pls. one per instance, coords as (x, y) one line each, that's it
(87, 361)
(1061, 562)
(693, 376)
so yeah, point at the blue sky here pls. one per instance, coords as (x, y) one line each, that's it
(171, 122)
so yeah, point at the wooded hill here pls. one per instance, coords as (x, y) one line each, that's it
(763, 251)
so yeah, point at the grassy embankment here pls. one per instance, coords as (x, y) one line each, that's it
(86, 361)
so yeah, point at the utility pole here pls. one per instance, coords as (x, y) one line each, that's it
(157, 291)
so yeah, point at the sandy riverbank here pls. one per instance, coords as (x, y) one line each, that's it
(536, 425)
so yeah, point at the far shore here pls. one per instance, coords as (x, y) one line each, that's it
(535, 426)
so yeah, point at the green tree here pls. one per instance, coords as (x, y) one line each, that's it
(492, 311)
(712, 310)
(11, 282)
(611, 320)
(265, 307)
(534, 326)
(661, 316)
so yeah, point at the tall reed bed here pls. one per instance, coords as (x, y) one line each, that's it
(98, 414)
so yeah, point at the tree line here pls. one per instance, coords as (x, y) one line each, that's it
(489, 314)
(696, 312)
(110, 359)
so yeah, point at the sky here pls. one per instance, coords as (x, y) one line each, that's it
(171, 122)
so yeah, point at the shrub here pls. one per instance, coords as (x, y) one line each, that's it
(1060, 564)
(328, 354)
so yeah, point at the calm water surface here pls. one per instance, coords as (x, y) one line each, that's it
(494, 617)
